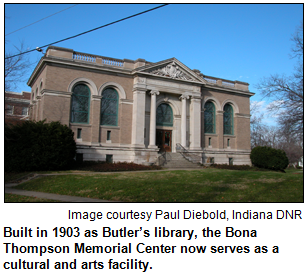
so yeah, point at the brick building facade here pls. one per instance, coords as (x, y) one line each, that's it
(131, 110)
(17, 106)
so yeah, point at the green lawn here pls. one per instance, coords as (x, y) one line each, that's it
(18, 198)
(205, 185)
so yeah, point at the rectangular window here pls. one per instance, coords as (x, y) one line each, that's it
(9, 109)
(228, 142)
(109, 158)
(108, 135)
(209, 141)
(230, 161)
(79, 131)
(24, 111)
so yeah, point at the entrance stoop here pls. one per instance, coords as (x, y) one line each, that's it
(177, 161)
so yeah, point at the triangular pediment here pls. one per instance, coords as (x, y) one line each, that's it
(170, 68)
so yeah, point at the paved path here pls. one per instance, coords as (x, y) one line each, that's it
(50, 196)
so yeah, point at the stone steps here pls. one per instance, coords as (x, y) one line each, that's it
(177, 161)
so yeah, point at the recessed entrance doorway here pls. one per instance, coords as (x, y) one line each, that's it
(164, 140)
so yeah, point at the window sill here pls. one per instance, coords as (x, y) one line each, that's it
(109, 127)
(80, 124)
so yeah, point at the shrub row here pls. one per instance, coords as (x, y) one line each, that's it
(36, 146)
(231, 167)
(102, 166)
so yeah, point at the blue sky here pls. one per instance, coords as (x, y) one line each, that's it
(233, 41)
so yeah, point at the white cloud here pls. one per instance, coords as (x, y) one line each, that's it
(260, 108)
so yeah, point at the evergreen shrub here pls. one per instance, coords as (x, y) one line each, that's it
(36, 146)
(269, 158)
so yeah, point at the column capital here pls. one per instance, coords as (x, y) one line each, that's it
(154, 92)
(184, 96)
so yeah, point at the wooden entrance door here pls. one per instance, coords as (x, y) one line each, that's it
(164, 140)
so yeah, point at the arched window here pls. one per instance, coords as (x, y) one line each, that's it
(109, 107)
(164, 116)
(228, 120)
(80, 104)
(209, 117)
(40, 87)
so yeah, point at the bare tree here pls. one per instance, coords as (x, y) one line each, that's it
(291, 144)
(16, 68)
(256, 125)
(287, 92)
(275, 137)
(261, 134)
(298, 47)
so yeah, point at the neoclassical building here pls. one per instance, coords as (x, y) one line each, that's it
(132, 110)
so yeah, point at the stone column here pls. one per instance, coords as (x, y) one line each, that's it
(195, 122)
(138, 118)
(153, 108)
(184, 98)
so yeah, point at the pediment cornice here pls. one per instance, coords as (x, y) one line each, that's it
(170, 68)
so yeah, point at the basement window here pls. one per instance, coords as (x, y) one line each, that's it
(109, 158)
(230, 161)
(79, 131)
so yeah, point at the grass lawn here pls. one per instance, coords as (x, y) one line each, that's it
(18, 198)
(204, 185)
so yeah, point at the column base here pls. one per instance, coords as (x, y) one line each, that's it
(152, 147)
(137, 146)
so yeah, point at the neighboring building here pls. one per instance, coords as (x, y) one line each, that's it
(129, 110)
(16, 106)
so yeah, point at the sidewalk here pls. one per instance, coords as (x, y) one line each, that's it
(50, 196)
(62, 198)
